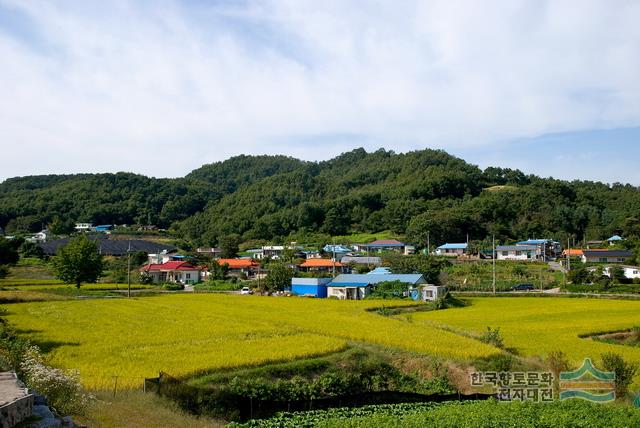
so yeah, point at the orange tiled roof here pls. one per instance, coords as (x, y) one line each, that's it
(238, 263)
(572, 252)
(320, 263)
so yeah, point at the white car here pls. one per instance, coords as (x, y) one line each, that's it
(246, 290)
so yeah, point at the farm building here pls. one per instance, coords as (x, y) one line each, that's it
(572, 252)
(358, 286)
(210, 251)
(337, 251)
(84, 227)
(312, 287)
(175, 272)
(516, 252)
(322, 265)
(112, 247)
(428, 292)
(606, 256)
(452, 250)
(386, 245)
(362, 260)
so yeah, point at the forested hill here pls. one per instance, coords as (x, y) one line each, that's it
(270, 197)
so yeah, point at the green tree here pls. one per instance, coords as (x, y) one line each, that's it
(230, 245)
(8, 253)
(625, 371)
(279, 276)
(430, 267)
(78, 262)
(30, 249)
(389, 290)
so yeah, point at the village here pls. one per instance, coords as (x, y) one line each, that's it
(342, 271)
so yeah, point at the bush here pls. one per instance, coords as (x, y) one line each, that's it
(493, 337)
(4, 271)
(624, 371)
(62, 390)
(495, 363)
(173, 286)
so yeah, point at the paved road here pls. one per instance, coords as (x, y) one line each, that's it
(557, 266)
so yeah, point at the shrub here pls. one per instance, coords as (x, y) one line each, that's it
(62, 390)
(493, 337)
(173, 286)
(624, 371)
(4, 271)
(495, 363)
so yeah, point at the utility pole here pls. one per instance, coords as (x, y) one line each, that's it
(334, 257)
(493, 240)
(129, 270)
(428, 245)
(568, 254)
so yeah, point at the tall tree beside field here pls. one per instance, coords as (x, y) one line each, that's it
(78, 262)
(279, 277)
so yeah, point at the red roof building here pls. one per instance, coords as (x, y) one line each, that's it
(174, 271)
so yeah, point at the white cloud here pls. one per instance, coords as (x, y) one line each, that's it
(161, 88)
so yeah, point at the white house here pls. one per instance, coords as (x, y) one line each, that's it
(516, 252)
(176, 272)
(606, 256)
(453, 250)
(630, 272)
(615, 239)
(84, 227)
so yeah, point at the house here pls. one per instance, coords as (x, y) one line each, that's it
(39, 237)
(361, 260)
(428, 292)
(176, 272)
(385, 245)
(358, 286)
(546, 248)
(380, 271)
(244, 267)
(615, 239)
(84, 227)
(516, 252)
(630, 272)
(310, 287)
(322, 265)
(104, 228)
(572, 252)
(606, 256)
(337, 251)
(451, 250)
(209, 251)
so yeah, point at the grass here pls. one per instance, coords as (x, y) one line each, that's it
(478, 276)
(364, 238)
(135, 409)
(185, 334)
(537, 327)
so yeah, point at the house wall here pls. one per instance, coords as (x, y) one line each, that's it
(313, 290)
(512, 255)
(341, 292)
(598, 259)
(450, 252)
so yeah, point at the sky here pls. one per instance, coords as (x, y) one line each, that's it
(162, 87)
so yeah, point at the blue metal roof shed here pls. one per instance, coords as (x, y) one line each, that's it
(448, 246)
(362, 280)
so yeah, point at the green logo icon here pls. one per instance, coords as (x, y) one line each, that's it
(588, 383)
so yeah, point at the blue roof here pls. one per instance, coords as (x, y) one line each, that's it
(615, 238)
(380, 271)
(349, 278)
(337, 248)
(533, 242)
(448, 246)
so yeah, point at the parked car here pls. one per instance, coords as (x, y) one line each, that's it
(523, 287)
(246, 290)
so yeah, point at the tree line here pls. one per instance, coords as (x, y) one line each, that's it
(277, 198)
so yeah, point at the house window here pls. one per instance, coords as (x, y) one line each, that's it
(505, 253)
(620, 259)
(188, 276)
(518, 253)
(603, 259)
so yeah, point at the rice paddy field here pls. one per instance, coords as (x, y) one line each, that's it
(536, 326)
(184, 334)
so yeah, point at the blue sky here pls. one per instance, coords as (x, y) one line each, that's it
(161, 87)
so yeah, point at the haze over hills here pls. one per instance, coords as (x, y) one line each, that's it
(271, 197)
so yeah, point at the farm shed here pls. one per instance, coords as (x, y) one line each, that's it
(316, 287)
